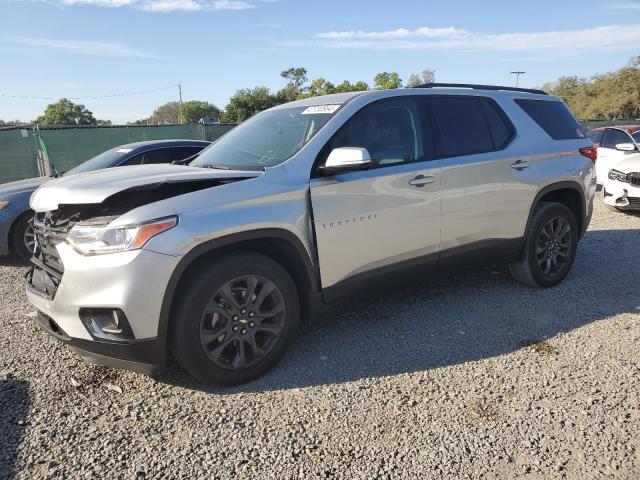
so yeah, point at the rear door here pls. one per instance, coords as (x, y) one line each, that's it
(488, 183)
(389, 216)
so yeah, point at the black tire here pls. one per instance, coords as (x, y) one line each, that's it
(537, 267)
(192, 328)
(18, 236)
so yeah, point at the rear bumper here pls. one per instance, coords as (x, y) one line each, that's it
(144, 356)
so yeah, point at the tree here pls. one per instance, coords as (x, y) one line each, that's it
(296, 78)
(247, 102)
(414, 81)
(428, 76)
(194, 110)
(65, 112)
(165, 114)
(386, 80)
(347, 86)
(320, 86)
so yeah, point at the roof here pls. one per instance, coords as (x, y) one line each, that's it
(332, 99)
(628, 128)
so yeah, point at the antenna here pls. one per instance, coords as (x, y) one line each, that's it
(517, 74)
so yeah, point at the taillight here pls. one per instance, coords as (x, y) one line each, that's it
(590, 152)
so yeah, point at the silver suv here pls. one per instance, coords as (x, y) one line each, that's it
(217, 262)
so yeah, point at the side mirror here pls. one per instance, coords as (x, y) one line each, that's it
(626, 147)
(346, 159)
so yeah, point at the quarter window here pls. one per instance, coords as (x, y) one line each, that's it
(553, 117)
(390, 130)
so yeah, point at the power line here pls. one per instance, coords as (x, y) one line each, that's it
(139, 92)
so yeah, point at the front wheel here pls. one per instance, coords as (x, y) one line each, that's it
(235, 320)
(550, 247)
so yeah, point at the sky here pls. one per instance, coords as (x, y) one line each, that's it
(97, 48)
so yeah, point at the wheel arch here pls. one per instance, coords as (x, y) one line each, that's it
(278, 244)
(569, 194)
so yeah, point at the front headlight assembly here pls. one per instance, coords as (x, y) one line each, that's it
(619, 176)
(101, 239)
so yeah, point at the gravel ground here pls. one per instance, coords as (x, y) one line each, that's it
(471, 376)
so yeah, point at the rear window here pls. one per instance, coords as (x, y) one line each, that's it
(469, 125)
(553, 117)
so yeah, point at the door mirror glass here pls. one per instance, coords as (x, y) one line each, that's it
(626, 147)
(347, 159)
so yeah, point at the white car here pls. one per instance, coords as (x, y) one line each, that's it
(614, 144)
(621, 189)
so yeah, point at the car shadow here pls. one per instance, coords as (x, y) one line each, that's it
(462, 318)
(14, 407)
(12, 261)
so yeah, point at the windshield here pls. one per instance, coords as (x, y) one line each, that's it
(104, 160)
(267, 139)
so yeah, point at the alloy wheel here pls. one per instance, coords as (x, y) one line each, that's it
(30, 239)
(242, 322)
(553, 249)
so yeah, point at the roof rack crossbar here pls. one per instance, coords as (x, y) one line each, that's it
(482, 87)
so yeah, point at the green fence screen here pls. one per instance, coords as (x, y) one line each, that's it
(22, 154)
(21, 151)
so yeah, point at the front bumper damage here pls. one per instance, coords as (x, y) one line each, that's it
(74, 293)
(621, 195)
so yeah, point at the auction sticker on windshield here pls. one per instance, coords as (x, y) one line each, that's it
(321, 109)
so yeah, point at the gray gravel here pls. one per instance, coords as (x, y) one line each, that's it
(471, 376)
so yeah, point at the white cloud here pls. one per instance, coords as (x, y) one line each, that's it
(426, 32)
(625, 6)
(551, 43)
(161, 5)
(83, 47)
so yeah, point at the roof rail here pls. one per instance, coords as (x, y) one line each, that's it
(482, 87)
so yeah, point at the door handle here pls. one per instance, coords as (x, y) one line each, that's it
(520, 165)
(420, 180)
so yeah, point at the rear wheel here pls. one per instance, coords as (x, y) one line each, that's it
(550, 247)
(235, 320)
(23, 238)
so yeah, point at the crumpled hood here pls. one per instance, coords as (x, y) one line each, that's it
(630, 163)
(95, 187)
(21, 186)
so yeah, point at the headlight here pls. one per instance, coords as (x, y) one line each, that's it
(3, 204)
(619, 176)
(100, 239)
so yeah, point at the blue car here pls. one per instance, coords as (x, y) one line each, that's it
(16, 232)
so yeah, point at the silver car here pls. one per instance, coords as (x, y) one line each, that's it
(217, 262)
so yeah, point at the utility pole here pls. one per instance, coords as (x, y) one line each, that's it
(517, 74)
(180, 102)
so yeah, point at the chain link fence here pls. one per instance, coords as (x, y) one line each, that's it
(24, 150)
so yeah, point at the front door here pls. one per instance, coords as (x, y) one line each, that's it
(389, 216)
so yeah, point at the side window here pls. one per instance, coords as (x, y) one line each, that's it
(464, 126)
(501, 130)
(135, 160)
(596, 137)
(390, 130)
(161, 155)
(180, 153)
(613, 137)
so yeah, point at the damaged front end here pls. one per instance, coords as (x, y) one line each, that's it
(78, 223)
